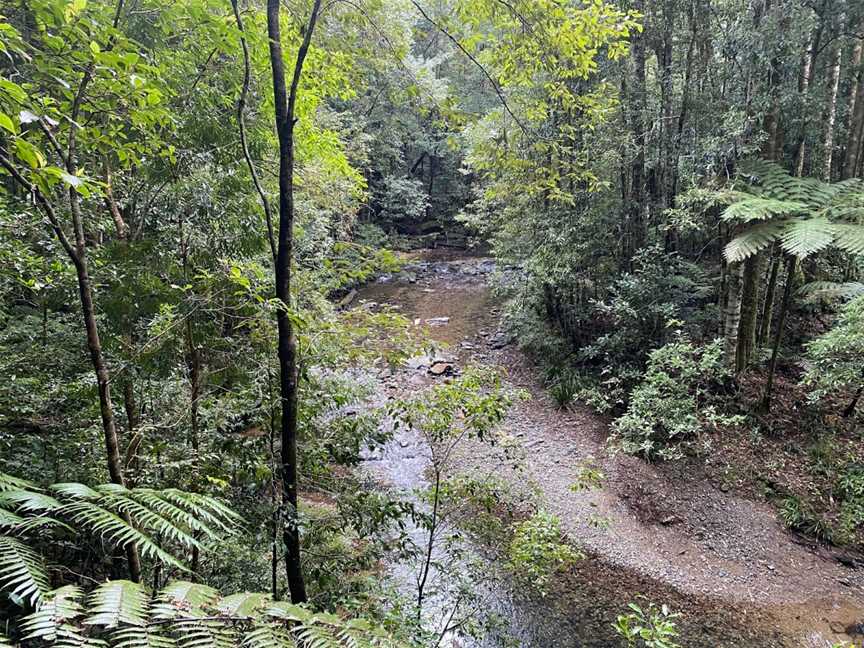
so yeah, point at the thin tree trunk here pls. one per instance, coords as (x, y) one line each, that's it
(803, 89)
(831, 113)
(768, 307)
(635, 234)
(791, 267)
(856, 112)
(288, 378)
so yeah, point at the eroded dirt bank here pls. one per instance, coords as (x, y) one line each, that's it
(725, 561)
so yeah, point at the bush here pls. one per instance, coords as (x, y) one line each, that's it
(538, 550)
(834, 358)
(673, 401)
(650, 627)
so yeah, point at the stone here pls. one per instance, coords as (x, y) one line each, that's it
(441, 368)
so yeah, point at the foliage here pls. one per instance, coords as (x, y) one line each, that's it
(674, 399)
(803, 215)
(184, 614)
(32, 519)
(648, 627)
(636, 319)
(834, 358)
(538, 550)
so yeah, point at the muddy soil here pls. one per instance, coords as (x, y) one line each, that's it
(723, 560)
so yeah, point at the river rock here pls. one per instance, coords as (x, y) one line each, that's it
(441, 368)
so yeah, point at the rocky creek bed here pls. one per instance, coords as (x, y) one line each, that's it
(723, 561)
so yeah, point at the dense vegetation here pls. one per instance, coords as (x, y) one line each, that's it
(191, 192)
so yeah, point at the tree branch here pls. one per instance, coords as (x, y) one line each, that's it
(241, 107)
(479, 65)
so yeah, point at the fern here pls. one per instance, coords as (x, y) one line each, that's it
(118, 602)
(183, 519)
(830, 290)
(804, 215)
(122, 614)
(22, 570)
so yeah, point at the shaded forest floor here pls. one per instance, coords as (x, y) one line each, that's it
(689, 534)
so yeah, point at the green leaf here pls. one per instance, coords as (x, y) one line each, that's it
(7, 123)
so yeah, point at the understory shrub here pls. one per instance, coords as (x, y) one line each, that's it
(676, 397)
(539, 550)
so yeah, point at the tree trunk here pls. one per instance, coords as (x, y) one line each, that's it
(287, 343)
(732, 312)
(635, 234)
(791, 266)
(749, 310)
(768, 306)
(856, 112)
(831, 113)
(803, 88)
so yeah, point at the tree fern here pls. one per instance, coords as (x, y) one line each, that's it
(22, 570)
(816, 290)
(177, 518)
(804, 215)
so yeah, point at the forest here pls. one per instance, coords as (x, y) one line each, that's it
(431, 323)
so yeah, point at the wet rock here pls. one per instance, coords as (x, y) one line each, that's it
(486, 266)
(499, 340)
(441, 368)
(385, 278)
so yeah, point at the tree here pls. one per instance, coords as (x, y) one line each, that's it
(285, 108)
(803, 216)
(49, 146)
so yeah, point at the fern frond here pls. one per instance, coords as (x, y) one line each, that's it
(143, 518)
(141, 637)
(269, 636)
(74, 490)
(28, 500)
(803, 237)
(762, 209)
(8, 482)
(22, 571)
(115, 528)
(209, 509)
(245, 604)
(285, 611)
(830, 290)
(756, 238)
(849, 237)
(182, 598)
(156, 501)
(52, 620)
(117, 602)
(210, 633)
